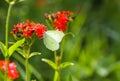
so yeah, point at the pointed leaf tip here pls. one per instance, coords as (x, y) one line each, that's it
(72, 64)
(34, 54)
(49, 62)
(3, 49)
(65, 64)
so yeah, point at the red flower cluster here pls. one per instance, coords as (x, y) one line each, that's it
(28, 29)
(62, 19)
(40, 30)
(59, 19)
(12, 71)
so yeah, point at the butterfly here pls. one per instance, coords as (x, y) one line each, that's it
(52, 38)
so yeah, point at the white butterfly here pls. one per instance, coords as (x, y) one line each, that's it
(52, 38)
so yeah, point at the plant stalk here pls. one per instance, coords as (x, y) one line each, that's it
(58, 61)
(26, 53)
(6, 71)
(26, 63)
(62, 49)
(57, 71)
(6, 40)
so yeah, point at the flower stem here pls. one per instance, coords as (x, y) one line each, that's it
(26, 63)
(26, 50)
(55, 55)
(61, 49)
(57, 76)
(58, 61)
(7, 25)
(6, 40)
(6, 71)
(57, 71)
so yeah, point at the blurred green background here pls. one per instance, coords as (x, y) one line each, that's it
(95, 49)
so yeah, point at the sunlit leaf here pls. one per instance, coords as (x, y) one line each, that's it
(51, 63)
(34, 53)
(15, 46)
(3, 48)
(65, 64)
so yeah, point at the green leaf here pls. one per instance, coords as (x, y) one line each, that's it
(31, 68)
(65, 64)
(3, 48)
(21, 70)
(20, 51)
(15, 46)
(52, 38)
(33, 54)
(70, 33)
(70, 78)
(52, 64)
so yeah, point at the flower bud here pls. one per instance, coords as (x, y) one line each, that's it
(13, 1)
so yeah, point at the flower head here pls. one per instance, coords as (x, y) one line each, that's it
(27, 30)
(60, 19)
(40, 30)
(12, 71)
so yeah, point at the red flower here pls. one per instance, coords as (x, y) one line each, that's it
(28, 29)
(40, 30)
(12, 71)
(61, 20)
(60, 26)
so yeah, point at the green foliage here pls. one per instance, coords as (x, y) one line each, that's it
(65, 64)
(15, 46)
(34, 54)
(3, 49)
(20, 51)
(52, 64)
(70, 78)
(11, 48)
(32, 69)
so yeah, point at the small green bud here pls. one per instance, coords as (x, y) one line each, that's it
(13, 1)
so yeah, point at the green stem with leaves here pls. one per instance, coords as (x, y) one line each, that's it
(57, 71)
(26, 50)
(6, 40)
(58, 61)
